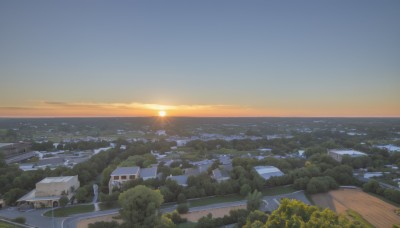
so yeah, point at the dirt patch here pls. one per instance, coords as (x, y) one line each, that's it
(216, 213)
(374, 210)
(106, 218)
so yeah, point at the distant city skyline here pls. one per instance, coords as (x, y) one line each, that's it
(200, 58)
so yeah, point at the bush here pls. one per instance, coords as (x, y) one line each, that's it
(112, 224)
(182, 208)
(63, 201)
(20, 219)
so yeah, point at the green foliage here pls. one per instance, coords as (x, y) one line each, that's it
(63, 201)
(20, 219)
(140, 206)
(142, 161)
(166, 223)
(181, 198)
(245, 190)
(182, 208)
(254, 200)
(81, 194)
(294, 213)
(255, 218)
(175, 217)
(321, 184)
(102, 224)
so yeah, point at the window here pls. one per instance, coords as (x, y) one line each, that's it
(116, 177)
(132, 177)
(123, 177)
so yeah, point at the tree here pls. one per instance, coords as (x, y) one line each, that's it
(294, 213)
(81, 194)
(254, 200)
(140, 206)
(63, 201)
(102, 224)
(182, 208)
(245, 190)
(181, 198)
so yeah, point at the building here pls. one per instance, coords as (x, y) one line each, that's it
(180, 180)
(121, 175)
(49, 191)
(16, 152)
(338, 154)
(267, 172)
(220, 175)
(148, 173)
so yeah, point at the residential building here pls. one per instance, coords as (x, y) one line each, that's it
(49, 191)
(148, 173)
(121, 175)
(220, 175)
(338, 154)
(180, 180)
(267, 172)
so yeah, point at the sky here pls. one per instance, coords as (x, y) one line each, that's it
(200, 58)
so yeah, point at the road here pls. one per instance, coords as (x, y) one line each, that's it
(72, 222)
(35, 217)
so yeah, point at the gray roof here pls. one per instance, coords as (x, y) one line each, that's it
(181, 180)
(50, 161)
(125, 171)
(220, 174)
(148, 172)
(267, 172)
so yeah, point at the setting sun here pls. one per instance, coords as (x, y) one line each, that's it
(162, 113)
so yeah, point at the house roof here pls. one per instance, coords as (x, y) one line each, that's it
(148, 172)
(181, 179)
(49, 180)
(350, 152)
(50, 161)
(267, 172)
(220, 174)
(134, 170)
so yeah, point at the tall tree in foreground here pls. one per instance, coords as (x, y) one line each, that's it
(140, 206)
(294, 213)
(254, 200)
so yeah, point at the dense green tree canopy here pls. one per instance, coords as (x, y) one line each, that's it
(140, 206)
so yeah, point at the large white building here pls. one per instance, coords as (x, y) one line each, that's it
(338, 154)
(49, 191)
(267, 172)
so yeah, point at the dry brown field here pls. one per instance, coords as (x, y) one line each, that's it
(106, 218)
(374, 210)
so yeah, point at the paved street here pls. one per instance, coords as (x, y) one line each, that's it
(33, 217)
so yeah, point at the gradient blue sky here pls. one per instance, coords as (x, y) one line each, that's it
(200, 58)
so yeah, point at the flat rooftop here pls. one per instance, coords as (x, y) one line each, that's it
(5, 144)
(48, 180)
(348, 152)
(125, 171)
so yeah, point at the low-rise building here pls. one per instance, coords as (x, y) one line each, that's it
(148, 173)
(180, 180)
(338, 154)
(121, 175)
(220, 175)
(267, 172)
(49, 191)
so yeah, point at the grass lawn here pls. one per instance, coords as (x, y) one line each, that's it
(108, 207)
(186, 225)
(216, 199)
(357, 217)
(278, 190)
(7, 225)
(67, 211)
